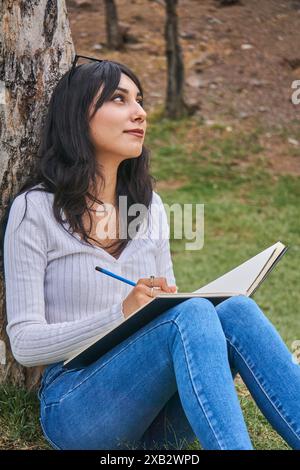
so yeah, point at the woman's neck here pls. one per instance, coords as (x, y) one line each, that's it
(106, 188)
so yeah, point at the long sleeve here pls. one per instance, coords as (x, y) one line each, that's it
(163, 258)
(33, 340)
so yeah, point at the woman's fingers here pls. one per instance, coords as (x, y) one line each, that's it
(145, 290)
(160, 282)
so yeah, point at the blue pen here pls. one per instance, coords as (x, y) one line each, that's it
(105, 271)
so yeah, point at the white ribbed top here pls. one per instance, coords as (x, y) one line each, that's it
(56, 301)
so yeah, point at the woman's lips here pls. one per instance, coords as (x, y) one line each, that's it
(136, 134)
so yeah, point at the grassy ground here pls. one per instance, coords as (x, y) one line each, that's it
(248, 206)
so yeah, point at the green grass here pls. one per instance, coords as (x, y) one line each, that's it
(19, 419)
(247, 208)
(20, 429)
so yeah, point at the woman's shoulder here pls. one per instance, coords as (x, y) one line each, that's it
(32, 202)
(27, 221)
(156, 198)
(36, 195)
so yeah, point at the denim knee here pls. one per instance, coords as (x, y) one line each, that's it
(199, 302)
(240, 312)
(194, 307)
(198, 316)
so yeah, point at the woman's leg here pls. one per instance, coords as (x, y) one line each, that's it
(265, 364)
(111, 403)
(170, 428)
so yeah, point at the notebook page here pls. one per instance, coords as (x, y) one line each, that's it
(280, 250)
(242, 277)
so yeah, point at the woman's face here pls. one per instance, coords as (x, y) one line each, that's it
(121, 113)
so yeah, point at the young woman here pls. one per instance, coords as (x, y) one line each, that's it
(170, 383)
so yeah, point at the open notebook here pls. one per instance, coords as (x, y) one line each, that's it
(242, 280)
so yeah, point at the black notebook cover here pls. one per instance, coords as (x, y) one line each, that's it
(127, 328)
(143, 316)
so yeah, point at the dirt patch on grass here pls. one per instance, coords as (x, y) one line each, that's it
(282, 157)
(171, 184)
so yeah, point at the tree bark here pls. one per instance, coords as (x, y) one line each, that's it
(225, 3)
(36, 50)
(175, 105)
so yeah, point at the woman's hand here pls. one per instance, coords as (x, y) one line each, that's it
(141, 293)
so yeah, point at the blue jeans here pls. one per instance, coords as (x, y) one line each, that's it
(172, 382)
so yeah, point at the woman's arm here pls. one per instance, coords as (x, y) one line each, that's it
(33, 340)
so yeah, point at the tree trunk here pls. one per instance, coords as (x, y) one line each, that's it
(175, 106)
(36, 50)
(114, 37)
(225, 3)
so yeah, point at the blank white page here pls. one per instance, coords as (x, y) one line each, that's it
(242, 277)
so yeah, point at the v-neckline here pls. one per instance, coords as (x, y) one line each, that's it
(125, 251)
(93, 247)
(102, 250)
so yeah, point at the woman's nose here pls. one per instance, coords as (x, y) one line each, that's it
(140, 111)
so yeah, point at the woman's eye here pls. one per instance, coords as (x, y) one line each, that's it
(117, 96)
(121, 96)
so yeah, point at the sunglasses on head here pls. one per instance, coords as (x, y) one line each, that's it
(77, 58)
(75, 61)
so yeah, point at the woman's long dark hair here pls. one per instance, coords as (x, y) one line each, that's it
(66, 165)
